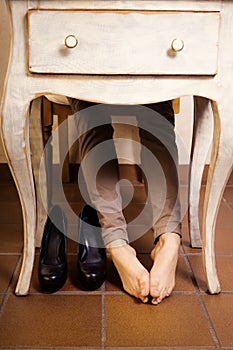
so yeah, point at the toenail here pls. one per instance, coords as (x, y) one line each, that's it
(155, 301)
(145, 300)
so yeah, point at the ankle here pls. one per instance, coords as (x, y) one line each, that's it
(170, 238)
(116, 246)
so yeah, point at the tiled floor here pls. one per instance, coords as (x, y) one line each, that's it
(108, 317)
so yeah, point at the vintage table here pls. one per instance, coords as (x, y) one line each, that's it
(120, 52)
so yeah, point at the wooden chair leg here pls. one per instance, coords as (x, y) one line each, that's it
(63, 111)
(47, 124)
(63, 142)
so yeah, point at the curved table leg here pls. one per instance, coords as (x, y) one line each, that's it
(202, 137)
(15, 130)
(219, 171)
(37, 148)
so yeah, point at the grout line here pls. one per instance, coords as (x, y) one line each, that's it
(204, 310)
(221, 293)
(200, 254)
(227, 204)
(60, 293)
(209, 323)
(8, 291)
(191, 273)
(112, 293)
(4, 302)
(17, 267)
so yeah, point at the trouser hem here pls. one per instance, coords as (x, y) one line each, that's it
(158, 232)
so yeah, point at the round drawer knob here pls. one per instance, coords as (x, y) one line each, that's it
(71, 41)
(177, 45)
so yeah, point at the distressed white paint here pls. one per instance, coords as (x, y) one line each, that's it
(187, 5)
(123, 42)
(21, 87)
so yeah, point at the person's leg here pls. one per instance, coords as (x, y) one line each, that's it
(163, 190)
(100, 172)
(105, 196)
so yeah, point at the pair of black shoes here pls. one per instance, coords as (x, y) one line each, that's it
(52, 271)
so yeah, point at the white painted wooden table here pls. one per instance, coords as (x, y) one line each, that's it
(120, 52)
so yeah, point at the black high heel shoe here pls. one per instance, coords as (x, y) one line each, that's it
(91, 251)
(52, 270)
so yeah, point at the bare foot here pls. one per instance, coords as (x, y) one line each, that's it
(162, 274)
(134, 276)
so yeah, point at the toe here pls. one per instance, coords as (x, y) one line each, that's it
(156, 301)
(144, 299)
(155, 294)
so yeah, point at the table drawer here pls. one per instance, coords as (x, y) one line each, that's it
(123, 42)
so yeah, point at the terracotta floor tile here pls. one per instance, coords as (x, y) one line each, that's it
(220, 310)
(225, 216)
(80, 315)
(112, 282)
(176, 322)
(230, 180)
(183, 279)
(186, 242)
(228, 194)
(51, 321)
(7, 268)
(224, 267)
(11, 238)
(143, 244)
(224, 240)
(1, 299)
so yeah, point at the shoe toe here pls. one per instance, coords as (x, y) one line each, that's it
(52, 278)
(92, 277)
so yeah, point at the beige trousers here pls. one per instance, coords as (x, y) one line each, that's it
(100, 166)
